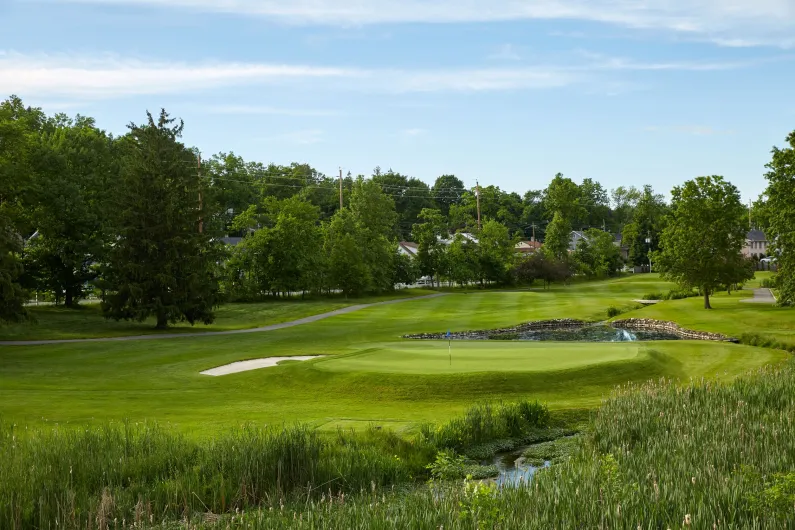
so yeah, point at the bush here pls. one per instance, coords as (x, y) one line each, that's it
(486, 422)
(613, 311)
(768, 283)
(654, 296)
(765, 341)
(674, 294)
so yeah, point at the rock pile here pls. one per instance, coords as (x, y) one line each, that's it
(669, 327)
(561, 323)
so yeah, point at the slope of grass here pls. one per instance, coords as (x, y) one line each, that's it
(728, 316)
(86, 321)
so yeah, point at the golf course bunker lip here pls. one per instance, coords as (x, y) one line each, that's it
(255, 364)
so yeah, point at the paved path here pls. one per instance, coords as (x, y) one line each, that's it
(761, 296)
(201, 334)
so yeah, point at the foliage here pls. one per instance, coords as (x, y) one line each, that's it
(496, 250)
(486, 421)
(160, 263)
(463, 265)
(596, 255)
(780, 209)
(558, 238)
(705, 232)
(431, 252)
(648, 220)
(75, 165)
(613, 311)
(478, 505)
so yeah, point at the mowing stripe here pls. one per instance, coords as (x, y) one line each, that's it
(272, 327)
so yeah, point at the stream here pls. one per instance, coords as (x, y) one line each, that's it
(512, 468)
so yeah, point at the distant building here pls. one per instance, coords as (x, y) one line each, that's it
(576, 237)
(408, 248)
(528, 247)
(756, 245)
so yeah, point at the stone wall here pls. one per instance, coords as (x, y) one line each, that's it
(669, 327)
(561, 323)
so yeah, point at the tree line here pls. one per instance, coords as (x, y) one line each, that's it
(139, 218)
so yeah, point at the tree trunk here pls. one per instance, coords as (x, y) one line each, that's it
(162, 322)
(69, 300)
(706, 299)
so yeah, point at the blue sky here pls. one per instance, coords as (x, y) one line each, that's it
(507, 92)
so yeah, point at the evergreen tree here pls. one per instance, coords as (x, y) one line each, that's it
(161, 263)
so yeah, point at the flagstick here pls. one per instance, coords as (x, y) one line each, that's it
(450, 352)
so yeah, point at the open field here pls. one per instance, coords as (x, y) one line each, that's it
(160, 380)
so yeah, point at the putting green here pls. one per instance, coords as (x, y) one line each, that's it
(432, 357)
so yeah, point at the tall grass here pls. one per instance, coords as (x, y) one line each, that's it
(658, 455)
(486, 422)
(72, 478)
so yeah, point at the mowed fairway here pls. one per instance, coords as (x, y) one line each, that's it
(372, 375)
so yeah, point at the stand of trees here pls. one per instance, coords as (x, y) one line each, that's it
(138, 219)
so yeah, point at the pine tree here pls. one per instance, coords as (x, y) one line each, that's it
(161, 264)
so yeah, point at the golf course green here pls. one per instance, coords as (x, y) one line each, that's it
(370, 374)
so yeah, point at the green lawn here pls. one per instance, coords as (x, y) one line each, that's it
(374, 377)
(50, 322)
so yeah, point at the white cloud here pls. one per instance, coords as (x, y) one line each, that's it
(75, 77)
(413, 132)
(506, 52)
(111, 76)
(763, 21)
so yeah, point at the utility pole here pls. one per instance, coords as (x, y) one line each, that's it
(199, 171)
(340, 188)
(534, 232)
(477, 193)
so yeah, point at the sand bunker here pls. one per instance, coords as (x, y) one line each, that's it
(255, 364)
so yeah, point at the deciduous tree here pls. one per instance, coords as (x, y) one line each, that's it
(704, 234)
(779, 213)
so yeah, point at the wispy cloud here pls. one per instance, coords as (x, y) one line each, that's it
(413, 132)
(78, 77)
(506, 52)
(765, 21)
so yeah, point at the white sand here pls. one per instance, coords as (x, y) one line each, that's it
(255, 364)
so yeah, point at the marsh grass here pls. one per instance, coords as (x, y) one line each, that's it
(87, 478)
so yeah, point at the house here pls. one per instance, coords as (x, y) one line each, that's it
(527, 247)
(756, 245)
(407, 248)
(617, 241)
(466, 235)
(576, 237)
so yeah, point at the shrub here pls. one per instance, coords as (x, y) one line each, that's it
(613, 311)
(486, 422)
(769, 283)
(674, 294)
(654, 296)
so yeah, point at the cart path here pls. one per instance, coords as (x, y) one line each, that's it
(761, 296)
(272, 327)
